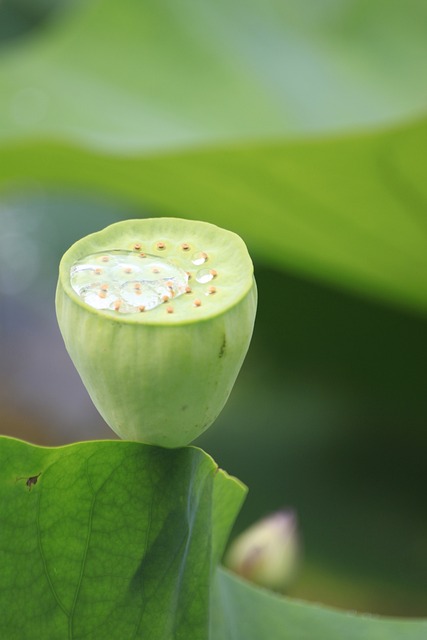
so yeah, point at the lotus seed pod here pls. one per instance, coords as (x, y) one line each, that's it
(157, 315)
(267, 552)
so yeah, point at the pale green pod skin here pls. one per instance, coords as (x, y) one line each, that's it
(162, 376)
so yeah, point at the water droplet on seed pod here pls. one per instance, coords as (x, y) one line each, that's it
(127, 279)
(204, 275)
(199, 258)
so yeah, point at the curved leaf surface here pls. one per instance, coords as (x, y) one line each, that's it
(112, 540)
(146, 75)
(245, 612)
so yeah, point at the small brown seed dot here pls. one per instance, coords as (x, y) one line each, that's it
(197, 303)
(155, 270)
(213, 273)
(98, 271)
(104, 286)
(187, 289)
(189, 275)
(141, 308)
(165, 298)
(102, 294)
(137, 286)
(169, 309)
(137, 246)
(105, 259)
(117, 305)
(185, 246)
(142, 255)
(161, 246)
(211, 290)
(128, 270)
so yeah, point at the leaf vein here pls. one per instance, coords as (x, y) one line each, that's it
(43, 557)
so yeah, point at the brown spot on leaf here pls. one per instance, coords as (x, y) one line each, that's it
(31, 481)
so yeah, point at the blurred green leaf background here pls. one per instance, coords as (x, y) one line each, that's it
(303, 127)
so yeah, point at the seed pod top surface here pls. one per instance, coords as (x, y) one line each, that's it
(158, 271)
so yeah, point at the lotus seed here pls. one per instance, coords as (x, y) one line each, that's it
(197, 303)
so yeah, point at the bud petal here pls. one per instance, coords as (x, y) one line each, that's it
(157, 315)
(267, 552)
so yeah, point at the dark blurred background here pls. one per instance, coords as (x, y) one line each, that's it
(19, 18)
(328, 415)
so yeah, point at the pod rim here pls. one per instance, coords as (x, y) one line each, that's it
(186, 232)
